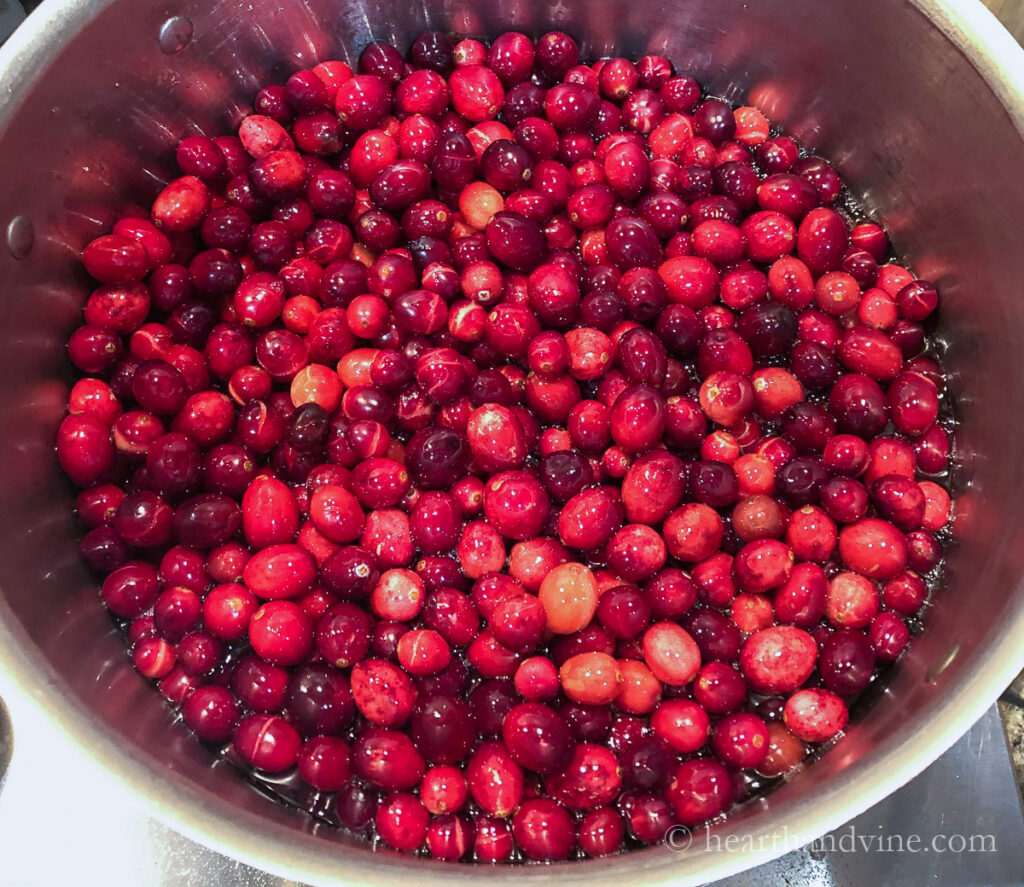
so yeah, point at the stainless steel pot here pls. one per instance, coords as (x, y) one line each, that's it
(922, 105)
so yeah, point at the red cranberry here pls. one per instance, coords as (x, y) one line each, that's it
(741, 740)
(324, 763)
(874, 548)
(495, 780)
(386, 759)
(544, 830)
(888, 635)
(267, 742)
(601, 832)
(700, 790)
(778, 659)
(537, 737)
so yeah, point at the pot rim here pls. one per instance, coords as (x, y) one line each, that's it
(246, 836)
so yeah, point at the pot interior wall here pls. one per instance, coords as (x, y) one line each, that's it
(90, 129)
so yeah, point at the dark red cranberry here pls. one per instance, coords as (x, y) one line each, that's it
(631, 242)
(436, 457)
(356, 807)
(799, 480)
(859, 405)
(715, 634)
(258, 684)
(813, 365)
(714, 484)
(491, 702)
(319, 700)
(768, 328)
(537, 737)
(443, 729)
(713, 120)
(103, 550)
(433, 50)
(647, 764)
(207, 520)
(847, 662)
(211, 713)
(516, 241)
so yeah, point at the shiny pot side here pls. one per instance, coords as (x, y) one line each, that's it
(921, 106)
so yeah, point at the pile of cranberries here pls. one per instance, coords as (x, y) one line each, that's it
(506, 457)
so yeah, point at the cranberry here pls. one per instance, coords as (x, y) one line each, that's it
(516, 505)
(815, 715)
(888, 635)
(714, 483)
(874, 548)
(537, 737)
(356, 807)
(443, 789)
(649, 816)
(847, 662)
(741, 740)
(280, 633)
(387, 759)
(443, 729)
(700, 790)
(592, 678)
(144, 520)
(601, 832)
(785, 751)
(324, 763)
(515, 240)
(211, 713)
(267, 742)
(778, 659)
(590, 518)
(84, 449)
(181, 205)
(402, 821)
(436, 457)
(544, 830)
(476, 92)
(682, 724)
(103, 550)
(495, 780)
(671, 653)
(319, 700)
(258, 684)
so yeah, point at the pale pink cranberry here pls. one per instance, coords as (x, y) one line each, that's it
(815, 715)
(778, 659)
